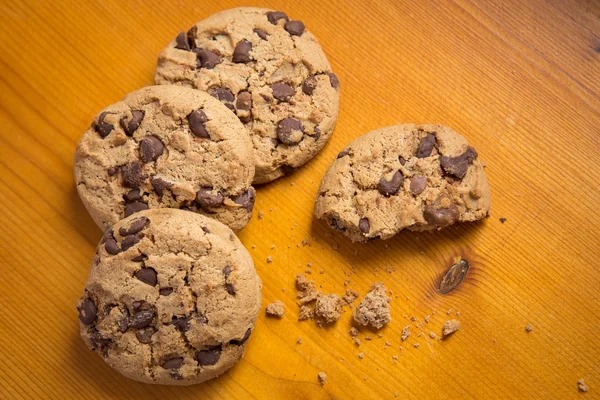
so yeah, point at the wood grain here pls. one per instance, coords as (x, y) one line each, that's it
(518, 78)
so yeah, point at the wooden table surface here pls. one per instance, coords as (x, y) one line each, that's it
(520, 79)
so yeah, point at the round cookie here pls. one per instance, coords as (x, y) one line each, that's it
(271, 72)
(166, 146)
(172, 298)
(418, 177)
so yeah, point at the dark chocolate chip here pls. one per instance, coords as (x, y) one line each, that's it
(426, 146)
(87, 312)
(230, 106)
(282, 91)
(112, 171)
(206, 197)
(317, 134)
(151, 148)
(111, 246)
(160, 185)
(201, 318)
(401, 160)
(132, 195)
(182, 42)
(197, 119)
(175, 375)
(364, 225)
(222, 94)
(123, 325)
(288, 169)
(337, 225)
(142, 319)
(136, 119)
(134, 207)
(137, 304)
(208, 356)
(391, 188)
(502, 220)
(309, 85)
(107, 234)
(246, 200)
(165, 291)
(454, 276)
(129, 242)
(458, 166)
(207, 59)
(417, 184)
(290, 131)
(294, 28)
(181, 323)
(97, 338)
(343, 153)
(138, 258)
(242, 340)
(191, 36)
(230, 289)
(144, 335)
(333, 79)
(227, 271)
(241, 53)
(274, 16)
(103, 128)
(132, 175)
(261, 34)
(436, 214)
(244, 101)
(136, 226)
(147, 275)
(172, 363)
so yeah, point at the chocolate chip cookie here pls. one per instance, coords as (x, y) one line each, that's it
(172, 298)
(268, 70)
(418, 177)
(166, 146)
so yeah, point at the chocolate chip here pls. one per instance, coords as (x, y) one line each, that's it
(391, 188)
(123, 325)
(132, 175)
(333, 79)
(165, 291)
(132, 195)
(136, 119)
(87, 312)
(242, 340)
(241, 53)
(197, 119)
(136, 226)
(227, 271)
(317, 134)
(201, 318)
(502, 220)
(129, 242)
(290, 131)
(111, 246)
(172, 363)
(274, 16)
(206, 197)
(309, 85)
(401, 160)
(134, 207)
(145, 335)
(246, 200)
(97, 338)
(160, 185)
(181, 323)
(191, 36)
(139, 258)
(343, 153)
(337, 225)
(147, 275)
(454, 276)
(209, 356)
(440, 214)
(364, 225)
(137, 304)
(261, 34)
(288, 169)
(103, 128)
(244, 101)
(417, 184)
(458, 166)
(222, 94)
(182, 42)
(426, 146)
(207, 59)
(282, 91)
(142, 319)
(294, 28)
(151, 148)
(230, 289)
(112, 171)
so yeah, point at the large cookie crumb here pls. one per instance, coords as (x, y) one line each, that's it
(374, 309)
(450, 327)
(276, 309)
(328, 309)
(405, 333)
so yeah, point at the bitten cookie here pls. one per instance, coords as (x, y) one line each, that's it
(406, 176)
(172, 298)
(166, 146)
(268, 70)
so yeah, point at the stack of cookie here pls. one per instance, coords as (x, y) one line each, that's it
(242, 98)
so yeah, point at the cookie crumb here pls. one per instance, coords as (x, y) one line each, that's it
(269, 259)
(305, 242)
(321, 271)
(353, 332)
(395, 358)
(306, 312)
(396, 394)
(335, 246)
(322, 377)
(405, 333)
(350, 296)
(261, 214)
(357, 341)
(528, 328)
(374, 308)
(276, 309)
(417, 345)
(432, 335)
(309, 264)
(449, 312)
(368, 337)
(361, 355)
(450, 327)
(272, 247)
(387, 343)
(307, 291)
(503, 220)
(346, 282)
(427, 318)
(253, 246)
(458, 313)
(582, 386)
(328, 309)
(299, 340)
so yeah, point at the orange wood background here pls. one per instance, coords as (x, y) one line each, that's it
(520, 79)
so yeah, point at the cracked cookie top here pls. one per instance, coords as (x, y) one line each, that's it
(166, 146)
(172, 298)
(268, 70)
(418, 177)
